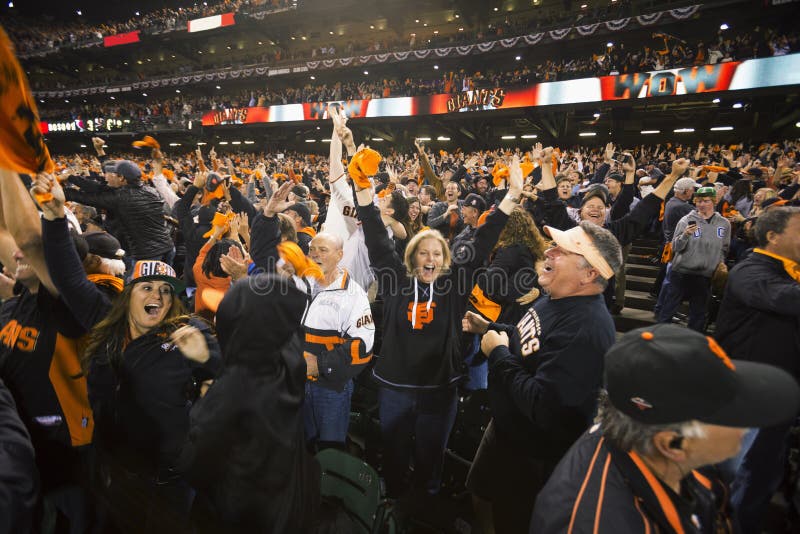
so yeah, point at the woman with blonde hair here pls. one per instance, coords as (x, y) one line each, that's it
(425, 297)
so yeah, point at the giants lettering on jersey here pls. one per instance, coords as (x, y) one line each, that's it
(349, 211)
(530, 329)
(22, 337)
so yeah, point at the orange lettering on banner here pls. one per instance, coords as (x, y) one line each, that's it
(424, 314)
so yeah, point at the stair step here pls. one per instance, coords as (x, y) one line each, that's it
(643, 249)
(640, 300)
(640, 259)
(642, 270)
(639, 283)
(631, 318)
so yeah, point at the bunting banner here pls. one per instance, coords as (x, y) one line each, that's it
(450, 51)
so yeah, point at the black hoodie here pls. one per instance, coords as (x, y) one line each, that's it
(245, 451)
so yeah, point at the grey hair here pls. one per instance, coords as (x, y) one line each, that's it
(773, 220)
(630, 435)
(336, 240)
(608, 247)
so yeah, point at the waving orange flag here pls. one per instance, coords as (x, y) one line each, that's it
(22, 147)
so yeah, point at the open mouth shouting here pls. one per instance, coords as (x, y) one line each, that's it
(153, 310)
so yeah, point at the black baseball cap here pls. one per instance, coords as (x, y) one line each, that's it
(475, 201)
(666, 373)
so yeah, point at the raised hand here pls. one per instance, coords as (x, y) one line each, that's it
(277, 203)
(536, 152)
(49, 195)
(192, 343)
(608, 153)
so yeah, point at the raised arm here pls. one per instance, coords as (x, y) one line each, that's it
(21, 219)
(85, 300)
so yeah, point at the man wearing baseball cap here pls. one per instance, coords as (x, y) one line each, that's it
(700, 245)
(544, 374)
(675, 402)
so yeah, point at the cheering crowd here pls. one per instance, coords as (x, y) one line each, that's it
(33, 37)
(181, 334)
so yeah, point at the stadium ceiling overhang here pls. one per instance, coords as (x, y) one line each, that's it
(732, 76)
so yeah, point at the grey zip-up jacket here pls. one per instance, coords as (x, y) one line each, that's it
(701, 252)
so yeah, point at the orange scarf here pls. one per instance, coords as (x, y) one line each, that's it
(22, 147)
(792, 267)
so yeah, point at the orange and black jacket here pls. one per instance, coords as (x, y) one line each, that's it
(600, 488)
(39, 362)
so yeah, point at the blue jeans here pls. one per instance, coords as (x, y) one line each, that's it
(679, 286)
(326, 413)
(416, 422)
(759, 474)
(661, 292)
(477, 367)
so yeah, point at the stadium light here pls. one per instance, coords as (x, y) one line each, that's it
(722, 128)
(517, 58)
(683, 130)
(236, 142)
(11, 4)
(378, 139)
(144, 94)
(587, 134)
(648, 132)
(221, 143)
(79, 12)
(423, 138)
(737, 105)
(797, 125)
(326, 140)
(249, 142)
(313, 77)
(218, 87)
(366, 72)
(201, 143)
(723, 26)
(596, 115)
(716, 101)
(174, 144)
(436, 67)
(508, 137)
(609, 44)
(82, 146)
(529, 136)
(311, 140)
(442, 138)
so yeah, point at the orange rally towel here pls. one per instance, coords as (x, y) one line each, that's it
(22, 147)
(363, 165)
(146, 141)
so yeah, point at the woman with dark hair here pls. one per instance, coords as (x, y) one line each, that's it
(741, 198)
(145, 361)
(506, 289)
(415, 224)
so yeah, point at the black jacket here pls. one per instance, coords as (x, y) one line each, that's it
(245, 451)
(510, 275)
(625, 229)
(600, 488)
(139, 210)
(140, 396)
(543, 387)
(759, 319)
(19, 480)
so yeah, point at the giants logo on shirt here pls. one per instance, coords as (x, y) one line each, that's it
(530, 329)
(14, 335)
(349, 211)
(424, 314)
